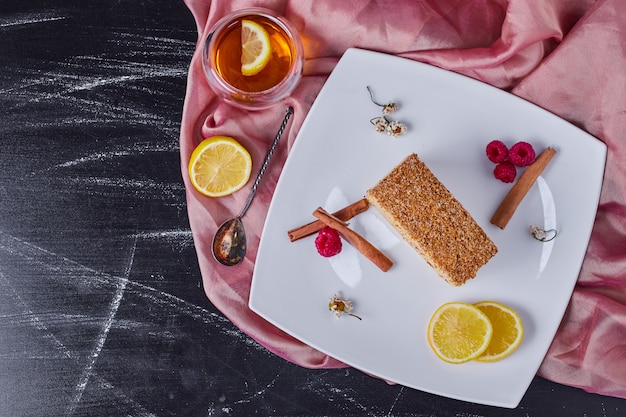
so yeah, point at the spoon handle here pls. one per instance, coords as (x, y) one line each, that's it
(266, 161)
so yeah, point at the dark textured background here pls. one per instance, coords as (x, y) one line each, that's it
(102, 311)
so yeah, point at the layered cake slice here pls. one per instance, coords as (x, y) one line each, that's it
(432, 221)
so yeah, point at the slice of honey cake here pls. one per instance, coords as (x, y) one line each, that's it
(432, 221)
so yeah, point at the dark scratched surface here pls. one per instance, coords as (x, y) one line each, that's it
(102, 311)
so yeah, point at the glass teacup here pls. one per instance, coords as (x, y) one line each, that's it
(223, 64)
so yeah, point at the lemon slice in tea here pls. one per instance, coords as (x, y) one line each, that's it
(256, 49)
(508, 331)
(459, 332)
(219, 166)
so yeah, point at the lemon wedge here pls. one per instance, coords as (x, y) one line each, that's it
(459, 332)
(256, 49)
(508, 331)
(219, 166)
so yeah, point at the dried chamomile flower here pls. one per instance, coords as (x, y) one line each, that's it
(387, 108)
(340, 306)
(390, 108)
(396, 129)
(380, 124)
(542, 235)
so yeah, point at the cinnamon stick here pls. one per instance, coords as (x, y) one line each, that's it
(344, 214)
(359, 242)
(519, 190)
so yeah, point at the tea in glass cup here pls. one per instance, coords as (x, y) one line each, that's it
(253, 58)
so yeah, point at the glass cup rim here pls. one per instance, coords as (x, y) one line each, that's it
(254, 99)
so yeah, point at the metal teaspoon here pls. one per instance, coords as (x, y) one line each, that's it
(229, 242)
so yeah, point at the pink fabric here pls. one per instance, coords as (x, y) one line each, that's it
(568, 56)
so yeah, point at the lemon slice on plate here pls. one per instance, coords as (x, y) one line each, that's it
(508, 331)
(219, 166)
(459, 332)
(256, 49)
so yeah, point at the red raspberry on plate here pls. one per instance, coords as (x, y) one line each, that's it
(522, 154)
(505, 171)
(328, 242)
(497, 151)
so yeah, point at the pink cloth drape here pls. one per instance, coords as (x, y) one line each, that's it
(564, 55)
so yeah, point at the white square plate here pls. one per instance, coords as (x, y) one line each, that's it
(337, 156)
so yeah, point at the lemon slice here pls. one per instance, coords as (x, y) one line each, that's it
(219, 166)
(256, 49)
(508, 331)
(459, 332)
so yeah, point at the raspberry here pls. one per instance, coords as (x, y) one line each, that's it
(497, 151)
(522, 154)
(505, 171)
(328, 242)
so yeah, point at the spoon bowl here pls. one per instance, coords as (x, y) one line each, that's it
(229, 242)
